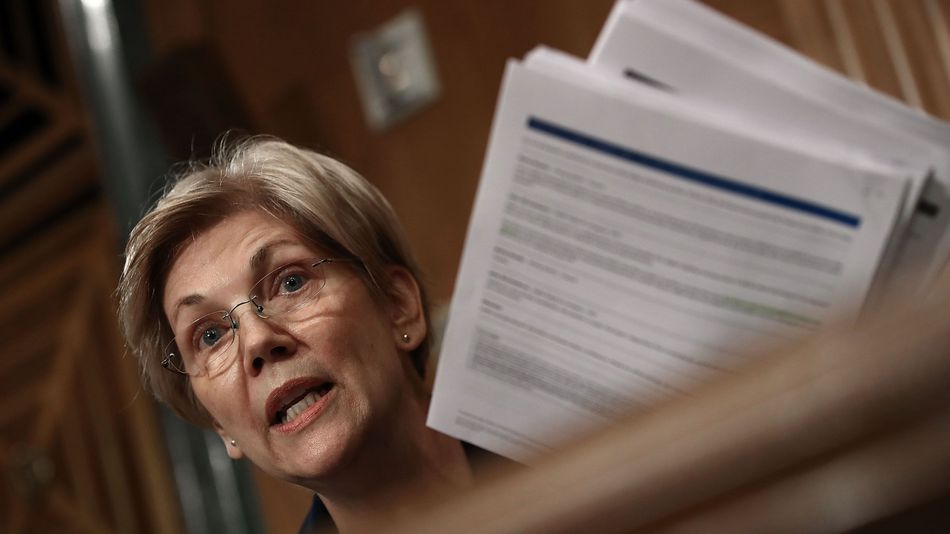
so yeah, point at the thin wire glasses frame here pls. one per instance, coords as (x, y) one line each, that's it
(282, 292)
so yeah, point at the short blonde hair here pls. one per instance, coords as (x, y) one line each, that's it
(328, 203)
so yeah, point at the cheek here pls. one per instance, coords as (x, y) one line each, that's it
(224, 399)
(348, 334)
(366, 359)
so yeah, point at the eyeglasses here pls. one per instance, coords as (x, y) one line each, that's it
(286, 293)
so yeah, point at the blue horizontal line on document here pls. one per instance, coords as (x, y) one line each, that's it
(694, 175)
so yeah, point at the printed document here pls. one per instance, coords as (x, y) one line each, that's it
(626, 244)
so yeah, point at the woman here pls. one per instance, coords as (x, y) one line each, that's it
(270, 295)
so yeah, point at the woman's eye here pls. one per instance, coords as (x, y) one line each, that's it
(292, 283)
(210, 336)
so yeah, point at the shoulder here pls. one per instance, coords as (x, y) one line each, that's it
(480, 460)
(317, 519)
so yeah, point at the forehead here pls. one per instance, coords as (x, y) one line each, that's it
(233, 250)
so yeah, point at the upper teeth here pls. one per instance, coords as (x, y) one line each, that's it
(298, 407)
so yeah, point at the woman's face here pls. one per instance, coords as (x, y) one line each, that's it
(345, 361)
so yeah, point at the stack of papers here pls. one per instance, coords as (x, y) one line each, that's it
(658, 214)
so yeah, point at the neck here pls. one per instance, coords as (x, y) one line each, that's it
(402, 466)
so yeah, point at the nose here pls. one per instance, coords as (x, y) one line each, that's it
(261, 341)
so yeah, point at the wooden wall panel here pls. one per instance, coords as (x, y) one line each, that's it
(79, 447)
(811, 31)
(74, 402)
(872, 48)
(923, 57)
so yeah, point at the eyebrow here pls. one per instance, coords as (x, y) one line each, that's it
(260, 257)
(190, 300)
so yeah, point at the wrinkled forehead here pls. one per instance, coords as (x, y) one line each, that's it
(221, 263)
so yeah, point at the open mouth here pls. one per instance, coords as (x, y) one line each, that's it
(297, 405)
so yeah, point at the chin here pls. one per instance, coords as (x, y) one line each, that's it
(318, 460)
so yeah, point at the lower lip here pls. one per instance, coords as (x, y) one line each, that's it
(312, 412)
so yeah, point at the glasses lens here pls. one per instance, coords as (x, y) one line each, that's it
(203, 346)
(289, 291)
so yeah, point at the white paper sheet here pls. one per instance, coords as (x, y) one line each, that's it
(692, 50)
(623, 247)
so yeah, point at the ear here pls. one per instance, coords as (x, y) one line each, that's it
(406, 309)
(230, 444)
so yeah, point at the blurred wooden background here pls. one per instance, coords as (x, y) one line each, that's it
(282, 68)
(80, 449)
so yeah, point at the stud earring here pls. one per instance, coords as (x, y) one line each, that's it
(405, 338)
(233, 442)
